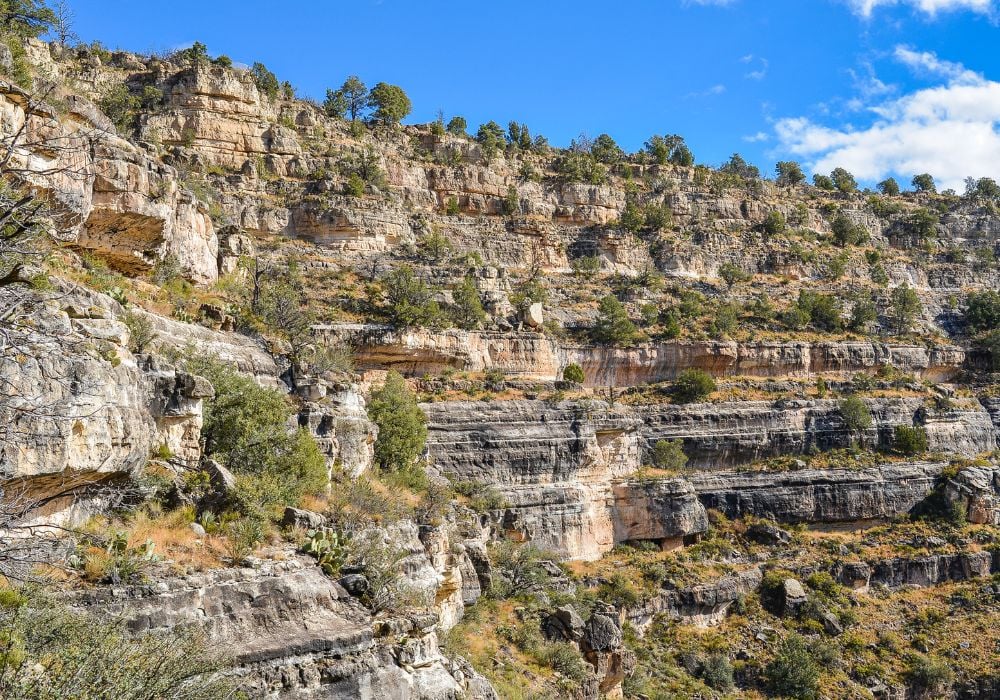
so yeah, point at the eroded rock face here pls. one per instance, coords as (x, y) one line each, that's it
(116, 200)
(978, 490)
(703, 605)
(565, 468)
(80, 410)
(536, 356)
(812, 495)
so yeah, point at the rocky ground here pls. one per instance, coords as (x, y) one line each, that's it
(549, 549)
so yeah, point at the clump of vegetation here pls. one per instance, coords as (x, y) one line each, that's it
(669, 454)
(574, 373)
(794, 672)
(50, 651)
(402, 428)
(910, 440)
(246, 429)
(613, 326)
(692, 385)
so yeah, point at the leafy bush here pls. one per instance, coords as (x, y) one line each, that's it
(402, 426)
(48, 651)
(732, 273)
(580, 166)
(669, 454)
(846, 232)
(389, 103)
(717, 672)
(774, 223)
(613, 325)
(910, 440)
(265, 80)
(140, 331)
(468, 312)
(794, 673)
(983, 311)
(517, 569)
(586, 265)
(574, 373)
(246, 428)
(692, 385)
(408, 299)
(565, 658)
(888, 187)
(457, 126)
(929, 673)
(905, 307)
(855, 413)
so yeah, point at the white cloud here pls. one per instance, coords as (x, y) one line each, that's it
(928, 63)
(951, 130)
(760, 72)
(708, 92)
(865, 8)
(757, 138)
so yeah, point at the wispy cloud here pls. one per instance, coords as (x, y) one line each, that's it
(928, 63)
(708, 92)
(932, 8)
(758, 64)
(757, 138)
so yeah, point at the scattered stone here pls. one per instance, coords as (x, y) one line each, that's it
(532, 316)
(563, 624)
(198, 530)
(831, 624)
(769, 534)
(301, 518)
(355, 584)
(793, 596)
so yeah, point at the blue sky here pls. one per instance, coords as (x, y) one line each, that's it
(878, 86)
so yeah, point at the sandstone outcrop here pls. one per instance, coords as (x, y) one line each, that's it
(535, 356)
(119, 203)
(294, 633)
(819, 496)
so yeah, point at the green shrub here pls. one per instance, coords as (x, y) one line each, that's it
(692, 385)
(389, 103)
(409, 301)
(983, 311)
(910, 440)
(855, 413)
(733, 274)
(243, 536)
(613, 325)
(565, 658)
(246, 428)
(48, 651)
(265, 80)
(846, 232)
(904, 307)
(140, 331)
(669, 454)
(717, 672)
(574, 373)
(793, 672)
(402, 426)
(619, 590)
(586, 265)
(774, 223)
(929, 673)
(468, 311)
